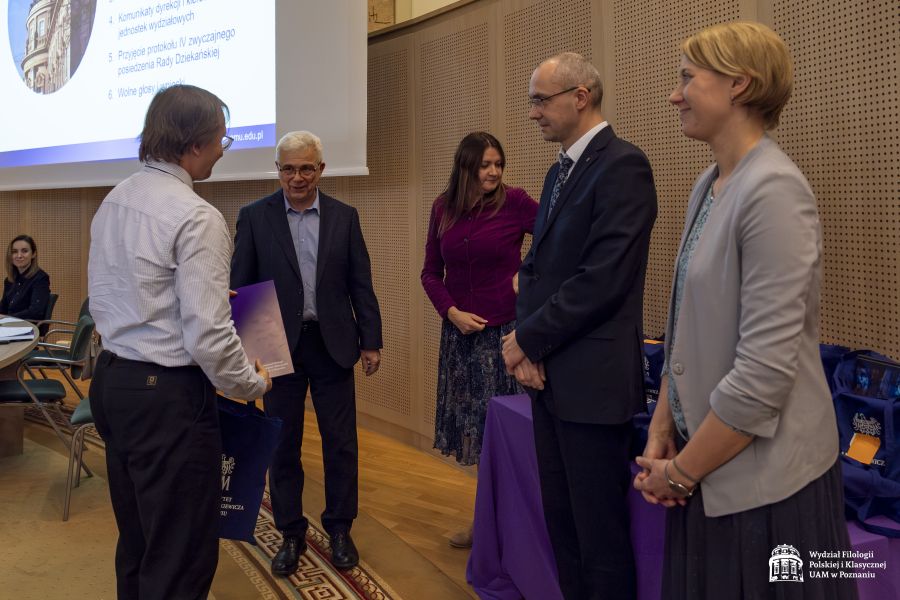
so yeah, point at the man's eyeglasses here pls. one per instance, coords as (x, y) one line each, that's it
(307, 170)
(226, 142)
(540, 101)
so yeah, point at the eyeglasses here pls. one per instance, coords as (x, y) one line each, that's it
(307, 170)
(226, 142)
(540, 101)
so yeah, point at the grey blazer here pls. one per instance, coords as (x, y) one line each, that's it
(747, 344)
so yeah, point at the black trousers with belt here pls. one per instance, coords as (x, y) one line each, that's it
(333, 395)
(163, 457)
(585, 477)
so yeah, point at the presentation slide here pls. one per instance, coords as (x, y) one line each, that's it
(77, 75)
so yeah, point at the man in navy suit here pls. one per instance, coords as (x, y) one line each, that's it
(577, 346)
(312, 247)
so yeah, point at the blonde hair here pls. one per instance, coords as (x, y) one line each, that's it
(747, 49)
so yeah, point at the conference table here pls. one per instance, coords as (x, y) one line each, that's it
(12, 416)
(511, 557)
(12, 352)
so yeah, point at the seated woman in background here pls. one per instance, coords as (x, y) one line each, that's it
(743, 445)
(472, 252)
(26, 289)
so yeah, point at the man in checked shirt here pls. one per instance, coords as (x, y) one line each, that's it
(158, 283)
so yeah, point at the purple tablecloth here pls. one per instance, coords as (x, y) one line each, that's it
(511, 557)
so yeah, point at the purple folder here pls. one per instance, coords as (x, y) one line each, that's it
(257, 318)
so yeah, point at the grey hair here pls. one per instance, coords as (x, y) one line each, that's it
(573, 69)
(297, 141)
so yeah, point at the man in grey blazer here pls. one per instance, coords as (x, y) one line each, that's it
(578, 344)
(311, 246)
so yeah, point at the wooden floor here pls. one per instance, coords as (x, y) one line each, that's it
(418, 496)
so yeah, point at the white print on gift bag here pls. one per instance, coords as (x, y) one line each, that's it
(227, 470)
(785, 564)
(866, 426)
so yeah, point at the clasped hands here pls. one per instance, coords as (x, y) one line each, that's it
(527, 373)
(652, 482)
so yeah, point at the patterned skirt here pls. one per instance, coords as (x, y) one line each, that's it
(470, 372)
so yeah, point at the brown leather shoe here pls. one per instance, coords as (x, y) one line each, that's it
(462, 539)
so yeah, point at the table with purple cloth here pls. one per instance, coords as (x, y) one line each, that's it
(511, 556)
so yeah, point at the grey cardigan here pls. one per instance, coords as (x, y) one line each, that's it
(747, 343)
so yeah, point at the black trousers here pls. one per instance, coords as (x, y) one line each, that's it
(163, 459)
(333, 396)
(585, 475)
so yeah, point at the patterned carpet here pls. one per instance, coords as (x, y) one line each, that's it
(315, 579)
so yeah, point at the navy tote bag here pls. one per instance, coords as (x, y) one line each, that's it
(248, 441)
(867, 405)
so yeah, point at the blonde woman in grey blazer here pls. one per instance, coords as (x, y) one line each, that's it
(743, 445)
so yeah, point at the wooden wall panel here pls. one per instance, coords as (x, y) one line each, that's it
(646, 45)
(383, 200)
(454, 71)
(49, 216)
(229, 196)
(532, 33)
(11, 222)
(841, 128)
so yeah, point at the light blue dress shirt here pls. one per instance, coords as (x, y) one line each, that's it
(304, 227)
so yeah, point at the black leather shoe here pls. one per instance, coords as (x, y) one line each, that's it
(285, 562)
(344, 554)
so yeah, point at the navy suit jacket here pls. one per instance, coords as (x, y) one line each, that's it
(348, 313)
(581, 285)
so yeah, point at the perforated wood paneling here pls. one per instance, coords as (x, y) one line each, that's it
(230, 196)
(455, 101)
(382, 200)
(335, 187)
(91, 199)
(647, 37)
(10, 223)
(530, 35)
(52, 215)
(841, 128)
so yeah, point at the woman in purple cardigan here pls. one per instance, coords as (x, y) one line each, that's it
(472, 253)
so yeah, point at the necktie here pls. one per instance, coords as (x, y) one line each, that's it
(565, 163)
